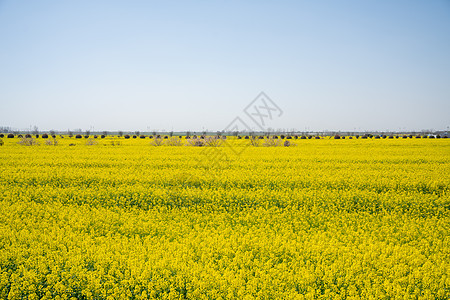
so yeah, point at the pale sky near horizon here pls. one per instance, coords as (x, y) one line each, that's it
(194, 65)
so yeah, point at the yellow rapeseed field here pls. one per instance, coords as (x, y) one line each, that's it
(119, 218)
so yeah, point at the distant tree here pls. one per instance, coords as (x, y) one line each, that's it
(35, 130)
(120, 133)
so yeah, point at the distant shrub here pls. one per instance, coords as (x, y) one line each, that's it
(134, 136)
(255, 142)
(142, 136)
(78, 136)
(10, 136)
(126, 136)
(196, 142)
(20, 136)
(28, 136)
(213, 142)
(173, 141)
(337, 137)
(158, 141)
(303, 137)
(95, 136)
(2, 135)
(54, 136)
(166, 137)
(91, 142)
(27, 142)
(102, 136)
(52, 142)
(317, 137)
(272, 142)
(45, 136)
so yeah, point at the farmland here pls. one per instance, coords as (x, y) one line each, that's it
(321, 219)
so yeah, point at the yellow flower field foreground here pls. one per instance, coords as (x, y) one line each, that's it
(321, 219)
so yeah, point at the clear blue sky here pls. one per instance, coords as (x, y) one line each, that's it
(189, 65)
